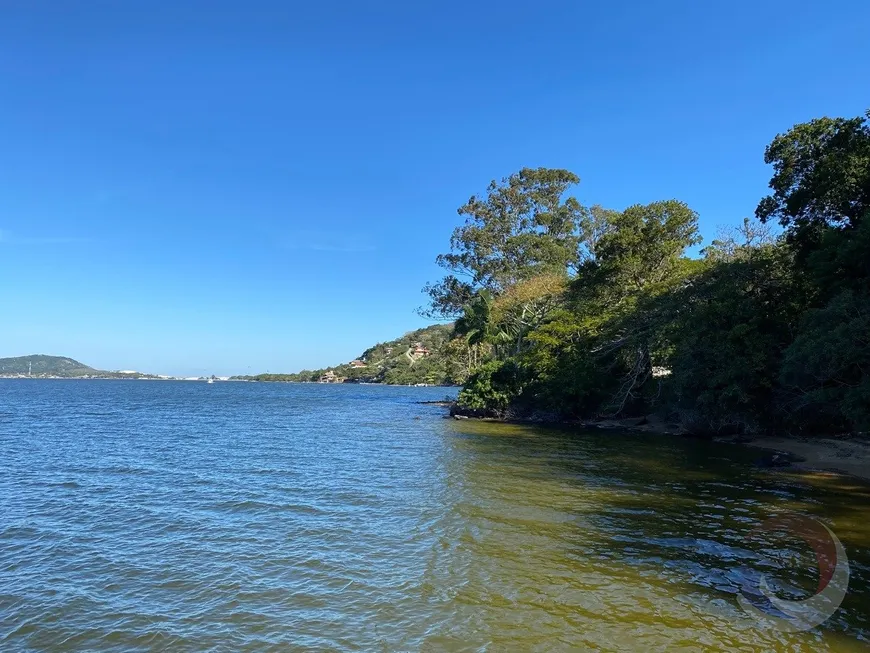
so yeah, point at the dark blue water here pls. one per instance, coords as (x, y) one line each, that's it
(181, 516)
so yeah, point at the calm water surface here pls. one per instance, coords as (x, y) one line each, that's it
(270, 517)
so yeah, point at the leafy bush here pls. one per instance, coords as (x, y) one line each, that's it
(730, 328)
(825, 369)
(493, 387)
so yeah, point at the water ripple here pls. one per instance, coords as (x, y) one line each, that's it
(250, 517)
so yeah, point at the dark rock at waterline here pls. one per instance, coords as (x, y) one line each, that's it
(461, 412)
(541, 417)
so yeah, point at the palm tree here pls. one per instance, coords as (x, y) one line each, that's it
(474, 325)
(477, 327)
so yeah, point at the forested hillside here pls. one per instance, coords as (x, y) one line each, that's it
(40, 364)
(421, 356)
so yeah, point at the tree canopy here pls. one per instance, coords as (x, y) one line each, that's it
(524, 226)
(821, 178)
(576, 312)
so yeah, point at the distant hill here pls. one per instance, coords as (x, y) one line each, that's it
(40, 364)
(417, 357)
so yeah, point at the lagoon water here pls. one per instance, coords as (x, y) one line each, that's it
(181, 516)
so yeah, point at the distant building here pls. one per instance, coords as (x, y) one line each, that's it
(330, 377)
(357, 363)
(419, 351)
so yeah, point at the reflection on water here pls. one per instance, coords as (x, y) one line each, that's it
(250, 517)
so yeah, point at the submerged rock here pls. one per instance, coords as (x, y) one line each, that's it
(779, 459)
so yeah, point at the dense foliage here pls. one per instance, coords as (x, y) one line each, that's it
(580, 312)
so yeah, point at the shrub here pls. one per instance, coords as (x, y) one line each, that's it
(493, 387)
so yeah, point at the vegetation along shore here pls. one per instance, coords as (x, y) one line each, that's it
(585, 313)
(560, 312)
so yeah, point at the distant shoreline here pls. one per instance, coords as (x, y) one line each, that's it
(110, 378)
(216, 380)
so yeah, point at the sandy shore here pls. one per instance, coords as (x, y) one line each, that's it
(843, 455)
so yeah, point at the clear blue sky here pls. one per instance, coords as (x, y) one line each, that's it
(230, 187)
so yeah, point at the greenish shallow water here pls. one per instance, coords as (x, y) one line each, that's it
(269, 517)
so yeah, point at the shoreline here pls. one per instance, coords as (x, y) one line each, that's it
(848, 456)
(844, 455)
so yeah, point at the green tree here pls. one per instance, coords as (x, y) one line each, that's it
(566, 372)
(523, 227)
(821, 195)
(475, 322)
(826, 370)
(735, 242)
(821, 178)
(641, 257)
(645, 247)
(476, 325)
(727, 331)
(523, 307)
(493, 388)
(762, 333)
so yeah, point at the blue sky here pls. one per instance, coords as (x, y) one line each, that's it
(232, 187)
